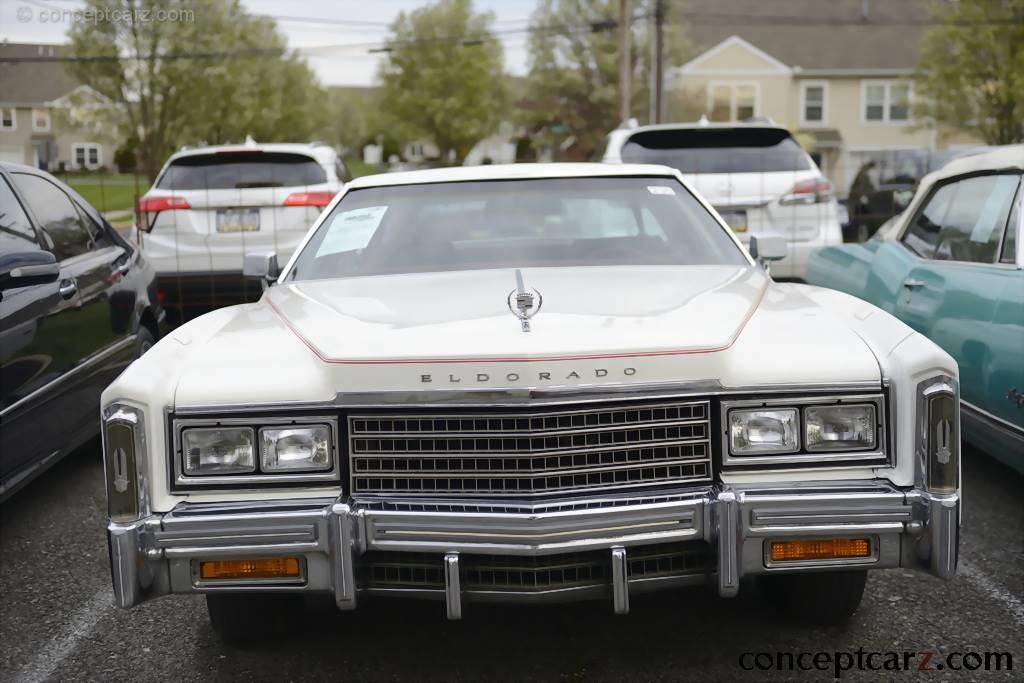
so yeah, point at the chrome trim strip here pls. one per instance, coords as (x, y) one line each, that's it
(984, 414)
(85, 364)
(517, 397)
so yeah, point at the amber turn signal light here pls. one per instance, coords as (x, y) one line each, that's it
(823, 549)
(272, 568)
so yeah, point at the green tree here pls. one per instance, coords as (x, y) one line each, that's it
(208, 73)
(572, 84)
(349, 111)
(970, 70)
(443, 75)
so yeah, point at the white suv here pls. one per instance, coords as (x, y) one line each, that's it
(757, 176)
(210, 205)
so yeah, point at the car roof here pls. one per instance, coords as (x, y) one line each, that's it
(1005, 157)
(710, 125)
(511, 172)
(315, 149)
(21, 168)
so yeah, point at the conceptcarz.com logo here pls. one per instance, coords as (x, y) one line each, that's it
(924, 661)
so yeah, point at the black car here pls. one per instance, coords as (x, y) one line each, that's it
(885, 184)
(77, 304)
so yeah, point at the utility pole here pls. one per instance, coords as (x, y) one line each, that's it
(659, 61)
(652, 78)
(625, 29)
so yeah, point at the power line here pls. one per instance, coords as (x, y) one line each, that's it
(467, 40)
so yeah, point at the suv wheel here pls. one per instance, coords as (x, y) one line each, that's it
(818, 597)
(246, 618)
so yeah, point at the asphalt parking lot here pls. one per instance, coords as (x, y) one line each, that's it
(58, 622)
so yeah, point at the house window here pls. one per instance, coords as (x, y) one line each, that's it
(732, 101)
(86, 155)
(8, 118)
(886, 102)
(812, 103)
(41, 120)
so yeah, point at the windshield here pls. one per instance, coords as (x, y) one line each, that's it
(515, 224)
(717, 150)
(234, 170)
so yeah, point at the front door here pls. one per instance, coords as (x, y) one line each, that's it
(92, 332)
(964, 290)
(34, 354)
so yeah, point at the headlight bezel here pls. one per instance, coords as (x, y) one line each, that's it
(877, 456)
(258, 478)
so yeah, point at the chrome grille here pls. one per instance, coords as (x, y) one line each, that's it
(530, 452)
(389, 569)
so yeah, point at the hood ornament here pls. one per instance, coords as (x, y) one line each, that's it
(524, 303)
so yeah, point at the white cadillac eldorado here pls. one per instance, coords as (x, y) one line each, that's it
(530, 382)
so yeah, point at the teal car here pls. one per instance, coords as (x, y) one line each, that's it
(951, 266)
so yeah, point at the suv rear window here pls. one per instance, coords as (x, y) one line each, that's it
(717, 150)
(231, 170)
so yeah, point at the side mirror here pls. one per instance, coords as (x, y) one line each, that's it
(261, 265)
(28, 268)
(768, 247)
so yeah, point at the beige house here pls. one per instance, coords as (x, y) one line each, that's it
(837, 73)
(42, 122)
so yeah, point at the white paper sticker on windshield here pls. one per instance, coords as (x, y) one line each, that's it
(660, 189)
(351, 230)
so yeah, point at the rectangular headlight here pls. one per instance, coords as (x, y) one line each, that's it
(218, 450)
(763, 430)
(840, 427)
(294, 448)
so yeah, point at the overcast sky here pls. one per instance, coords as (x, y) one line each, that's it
(338, 52)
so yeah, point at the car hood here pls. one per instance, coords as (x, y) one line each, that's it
(466, 315)
(311, 341)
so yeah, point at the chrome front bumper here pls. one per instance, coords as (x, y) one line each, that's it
(159, 555)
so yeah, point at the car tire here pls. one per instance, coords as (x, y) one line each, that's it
(817, 597)
(251, 618)
(143, 341)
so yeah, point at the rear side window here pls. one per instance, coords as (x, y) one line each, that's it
(718, 150)
(237, 170)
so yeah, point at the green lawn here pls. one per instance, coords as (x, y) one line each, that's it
(359, 168)
(107, 192)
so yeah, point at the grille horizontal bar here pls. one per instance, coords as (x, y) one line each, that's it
(525, 453)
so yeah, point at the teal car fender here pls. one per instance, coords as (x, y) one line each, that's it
(974, 311)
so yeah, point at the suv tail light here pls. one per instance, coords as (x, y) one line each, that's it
(810, 191)
(320, 199)
(148, 208)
